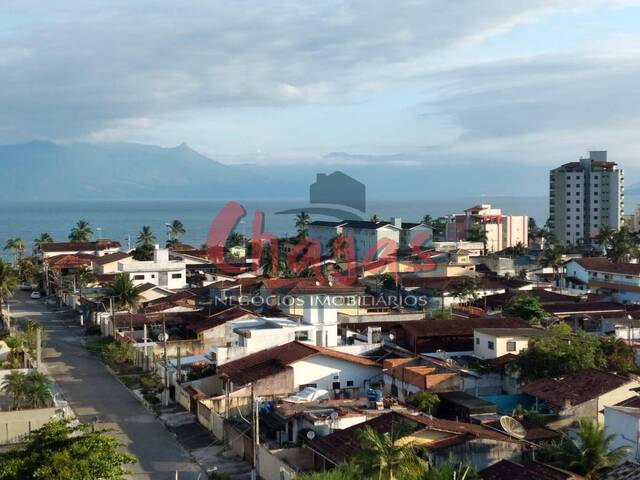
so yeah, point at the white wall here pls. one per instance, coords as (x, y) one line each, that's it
(626, 428)
(481, 345)
(320, 369)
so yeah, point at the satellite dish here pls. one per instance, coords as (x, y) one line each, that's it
(311, 434)
(333, 415)
(513, 427)
(163, 336)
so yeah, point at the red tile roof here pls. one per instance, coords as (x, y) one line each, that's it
(301, 286)
(440, 328)
(71, 260)
(220, 318)
(79, 246)
(603, 264)
(274, 360)
(507, 470)
(577, 388)
(110, 258)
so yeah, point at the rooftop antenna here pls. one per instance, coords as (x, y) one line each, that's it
(513, 427)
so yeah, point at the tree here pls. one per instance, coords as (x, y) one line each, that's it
(526, 307)
(478, 234)
(38, 242)
(61, 449)
(589, 454)
(16, 245)
(552, 258)
(375, 218)
(8, 281)
(427, 220)
(81, 232)
(176, 230)
(604, 236)
(83, 277)
(144, 252)
(426, 402)
(439, 226)
(146, 237)
(619, 356)
(235, 239)
(384, 455)
(124, 293)
(344, 471)
(622, 247)
(449, 470)
(466, 289)
(27, 390)
(27, 269)
(302, 224)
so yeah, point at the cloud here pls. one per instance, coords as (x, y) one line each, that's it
(76, 69)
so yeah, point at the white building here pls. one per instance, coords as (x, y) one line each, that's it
(491, 343)
(368, 237)
(97, 248)
(160, 271)
(621, 280)
(623, 421)
(502, 231)
(585, 196)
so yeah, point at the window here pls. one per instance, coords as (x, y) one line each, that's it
(302, 336)
(335, 385)
(511, 346)
(176, 275)
(490, 345)
(138, 277)
(349, 383)
(477, 340)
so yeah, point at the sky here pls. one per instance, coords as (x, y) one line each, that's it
(328, 82)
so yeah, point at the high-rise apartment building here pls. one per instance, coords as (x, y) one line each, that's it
(585, 196)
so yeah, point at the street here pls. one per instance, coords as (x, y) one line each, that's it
(93, 392)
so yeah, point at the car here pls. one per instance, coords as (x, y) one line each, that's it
(35, 295)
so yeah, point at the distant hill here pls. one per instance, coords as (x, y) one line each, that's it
(45, 170)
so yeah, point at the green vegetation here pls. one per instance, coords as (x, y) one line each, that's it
(37, 242)
(466, 290)
(151, 387)
(27, 390)
(8, 281)
(81, 232)
(526, 307)
(146, 237)
(426, 402)
(478, 234)
(16, 246)
(449, 470)
(622, 247)
(302, 225)
(176, 230)
(558, 354)
(62, 450)
(124, 293)
(589, 454)
(552, 258)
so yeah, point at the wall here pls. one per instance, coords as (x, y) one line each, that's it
(616, 396)
(271, 467)
(626, 428)
(16, 425)
(481, 345)
(320, 370)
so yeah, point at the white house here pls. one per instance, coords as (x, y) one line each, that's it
(622, 280)
(491, 343)
(160, 271)
(97, 248)
(623, 420)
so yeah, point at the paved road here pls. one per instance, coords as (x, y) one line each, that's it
(93, 392)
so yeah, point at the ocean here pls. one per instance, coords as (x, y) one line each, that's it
(117, 219)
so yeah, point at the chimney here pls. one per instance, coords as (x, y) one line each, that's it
(396, 222)
(160, 255)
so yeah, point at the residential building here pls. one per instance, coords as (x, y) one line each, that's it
(624, 471)
(404, 377)
(489, 343)
(585, 196)
(475, 249)
(502, 231)
(108, 264)
(368, 238)
(583, 394)
(97, 248)
(160, 271)
(508, 470)
(632, 220)
(623, 421)
(599, 274)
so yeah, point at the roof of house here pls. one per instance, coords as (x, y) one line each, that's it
(110, 258)
(442, 283)
(79, 246)
(343, 444)
(70, 260)
(274, 360)
(220, 318)
(577, 388)
(507, 470)
(543, 296)
(301, 286)
(454, 327)
(603, 264)
(584, 307)
(513, 332)
(633, 402)
(625, 471)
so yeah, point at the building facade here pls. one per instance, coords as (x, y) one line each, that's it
(585, 196)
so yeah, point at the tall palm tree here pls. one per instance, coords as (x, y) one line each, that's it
(478, 234)
(302, 224)
(388, 457)
(81, 232)
(375, 218)
(589, 454)
(552, 258)
(16, 245)
(38, 390)
(427, 220)
(176, 230)
(38, 242)
(83, 277)
(15, 386)
(146, 237)
(8, 282)
(604, 236)
(449, 470)
(623, 247)
(124, 293)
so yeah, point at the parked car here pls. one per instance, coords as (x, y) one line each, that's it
(35, 295)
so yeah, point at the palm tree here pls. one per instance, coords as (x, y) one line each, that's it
(466, 290)
(81, 232)
(124, 293)
(589, 454)
(449, 470)
(176, 230)
(375, 218)
(83, 277)
(478, 234)
(15, 386)
(146, 237)
(16, 245)
(623, 248)
(8, 284)
(427, 220)
(552, 258)
(344, 471)
(37, 242)
(302, 224)
(38, 390)
(388, 457)
(235, 239)
(604, 236)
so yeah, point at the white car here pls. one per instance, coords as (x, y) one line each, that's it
(35, 295)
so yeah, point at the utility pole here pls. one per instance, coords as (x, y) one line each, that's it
(166, 369)
(39, 349)
(178, 368)
(113, 318)
(255, 432)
